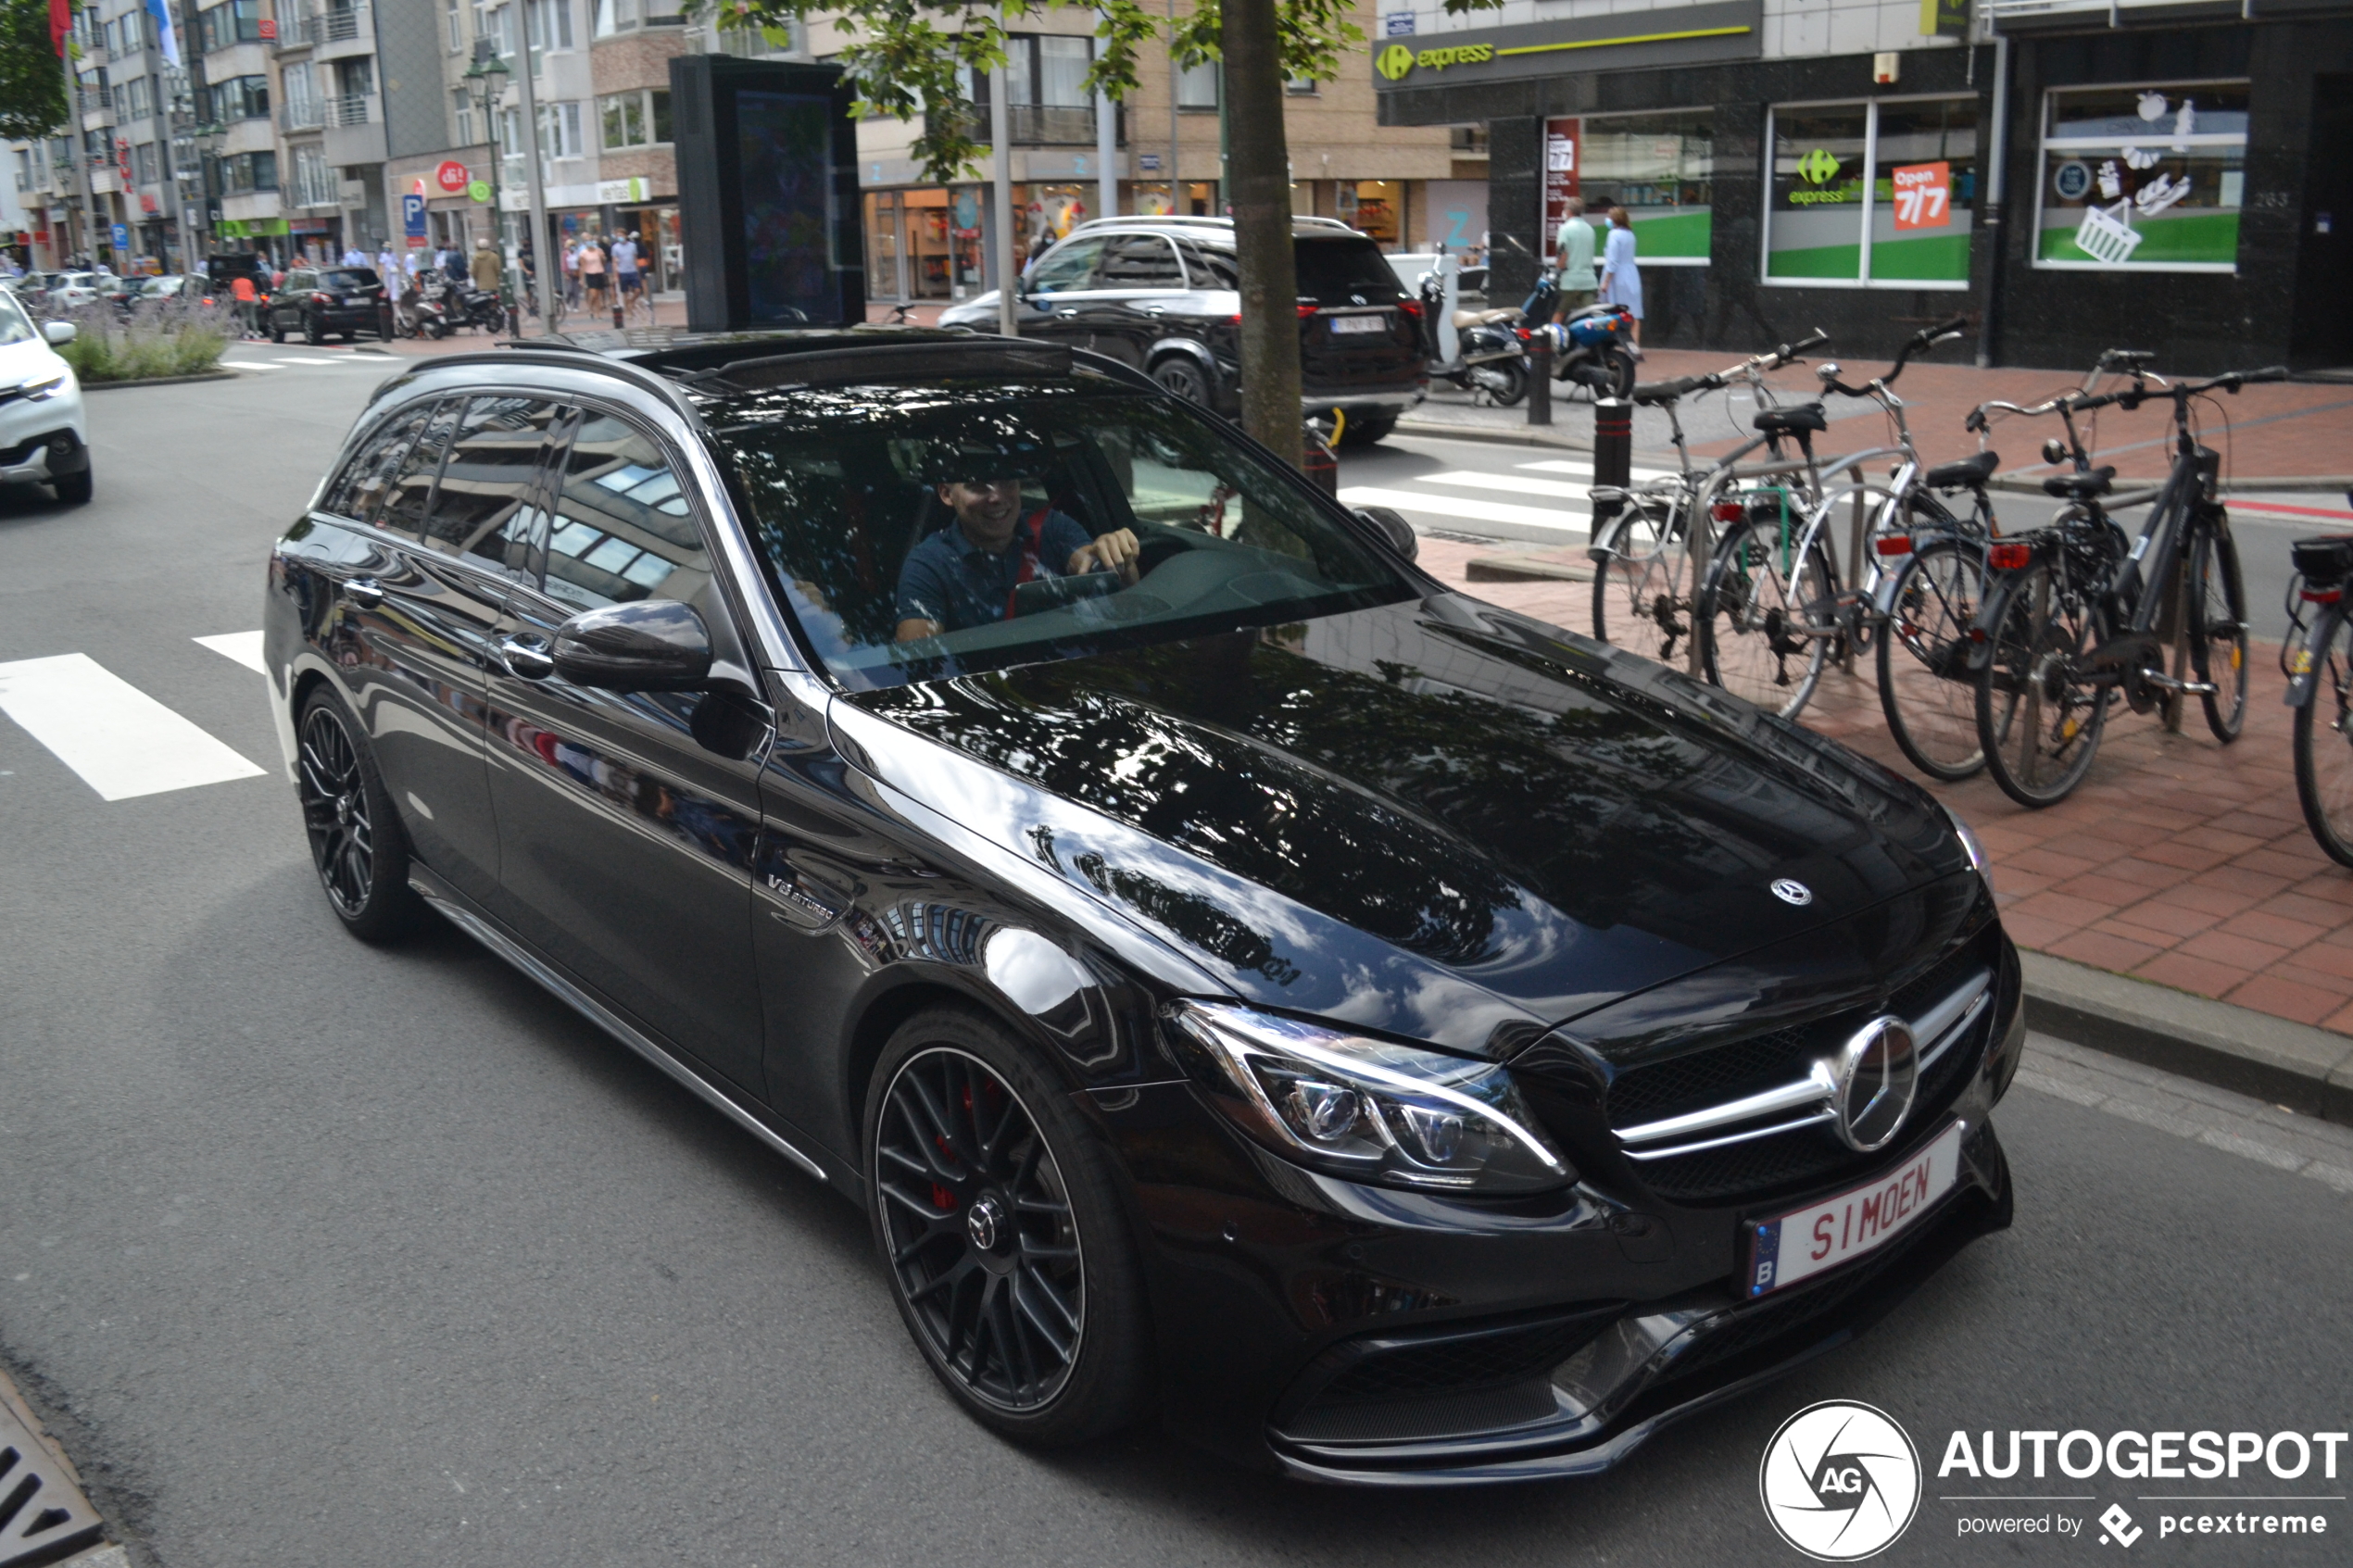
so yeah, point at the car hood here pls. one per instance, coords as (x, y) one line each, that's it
(33, 360)
(1437, 820)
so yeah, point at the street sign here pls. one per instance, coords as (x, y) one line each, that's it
(121, 240)
(452, 177)
(479, 189)
(412, 216)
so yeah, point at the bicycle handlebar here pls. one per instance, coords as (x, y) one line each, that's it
(1771, 359)
(2132, 397)
(1919, 342)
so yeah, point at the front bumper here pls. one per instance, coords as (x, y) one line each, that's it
(49, 453)
(1351, 1333)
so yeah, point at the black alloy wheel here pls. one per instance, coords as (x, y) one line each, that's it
(1005, 1241)
(312, 334)
(1180, 376)
(356, 842)
(277, 329)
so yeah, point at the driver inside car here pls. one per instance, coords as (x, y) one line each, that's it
(965, 575)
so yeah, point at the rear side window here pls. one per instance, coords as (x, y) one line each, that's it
(1138, 261)
(360, 489)
(622, 528)
(1332, 271)
(1211, 268)
(484, 509)
(411, 491)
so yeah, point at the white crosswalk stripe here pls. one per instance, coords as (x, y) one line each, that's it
(1443, 502)
(243, 646)
(123, 742)
(1422, 503)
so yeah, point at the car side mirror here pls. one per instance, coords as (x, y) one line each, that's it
(1395, 528)
(59, 334)
(648, 645)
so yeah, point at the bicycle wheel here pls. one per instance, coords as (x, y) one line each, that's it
(2218, 630)
(2324, 744)
(1925, 687)
(2038, 721)
(1767, 615)
(1637, 603)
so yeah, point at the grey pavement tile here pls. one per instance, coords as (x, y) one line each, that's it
(2149, 1116)
(2060, 1088)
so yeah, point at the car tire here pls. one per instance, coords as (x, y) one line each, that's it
(75, 489)
(1367, 429)
(998, 1215)
(311, 333)
(1184, 379)
(276, 330)
(357, 843)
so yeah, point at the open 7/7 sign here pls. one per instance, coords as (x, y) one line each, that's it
(1923, 196)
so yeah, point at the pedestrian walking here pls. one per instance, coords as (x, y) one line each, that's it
(1575, 247)
(249, 300)
(571, 274)
(1621, 279)
(592, 275)
(624, 276)
(485, 267)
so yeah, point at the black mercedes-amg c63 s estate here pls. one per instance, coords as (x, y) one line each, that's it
(1381, 1037)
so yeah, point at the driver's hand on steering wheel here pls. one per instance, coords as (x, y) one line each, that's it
(1116, 551)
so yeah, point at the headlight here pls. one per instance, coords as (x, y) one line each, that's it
(37, 390)
(1968, 841)
(1371, 1110)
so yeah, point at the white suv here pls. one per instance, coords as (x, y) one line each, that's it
(44, 438)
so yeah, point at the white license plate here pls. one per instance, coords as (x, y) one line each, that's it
(1805, 1242)
(1342, 325)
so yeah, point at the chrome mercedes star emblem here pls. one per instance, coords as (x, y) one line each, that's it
(1791, 892)
(981, 1222)
(1875, 1076)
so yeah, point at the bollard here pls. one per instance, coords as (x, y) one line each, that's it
(1540, 375)
(1613, 450)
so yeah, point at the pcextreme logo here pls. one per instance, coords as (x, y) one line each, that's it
(1840, 1480)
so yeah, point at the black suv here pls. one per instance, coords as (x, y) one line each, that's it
(1162, 294)
(318, 301)
(1239, 978)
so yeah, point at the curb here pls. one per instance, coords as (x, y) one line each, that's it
(158, 380)
(2309, 1070)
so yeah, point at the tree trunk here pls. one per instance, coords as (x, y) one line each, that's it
(1258, 183)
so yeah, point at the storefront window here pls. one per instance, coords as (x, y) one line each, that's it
(928, 259)
(1872, 194)
(2144, 178)
(1661, 167)
(882, 246)
(1378, 207)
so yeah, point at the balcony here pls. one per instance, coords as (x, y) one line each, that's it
(355, 130)
(308, 114)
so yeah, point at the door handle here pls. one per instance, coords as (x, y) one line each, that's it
(365, 592)
(529, 660)
(1154, 309)
(1067, 310)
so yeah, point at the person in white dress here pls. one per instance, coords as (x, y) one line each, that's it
(1621, 279)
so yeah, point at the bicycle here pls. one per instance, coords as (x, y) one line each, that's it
(1643, 551)
(1927, 683)
(1772, 593)
(2074, 620)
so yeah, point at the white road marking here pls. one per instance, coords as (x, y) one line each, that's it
(123, 742)
(310, 361)
(1548, 518)
(250, 365)
(243, 646)
(1509, 483)
(1585, 466)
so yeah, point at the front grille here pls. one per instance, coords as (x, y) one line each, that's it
(1699, 1079)
(1757, 1165)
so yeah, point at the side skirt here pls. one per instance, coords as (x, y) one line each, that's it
(449, 906)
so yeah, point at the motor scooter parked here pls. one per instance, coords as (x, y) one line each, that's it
(1491, 361)
(1594, 348)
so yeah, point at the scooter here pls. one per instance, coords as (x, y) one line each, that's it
(1491, 359)
(480, 307)
(1594, 348)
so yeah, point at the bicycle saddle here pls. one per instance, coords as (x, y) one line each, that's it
(1481, 318)
(1970, 471)
(1807, 416)
(2081, 486)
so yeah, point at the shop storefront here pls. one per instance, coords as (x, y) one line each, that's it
(2188, 180)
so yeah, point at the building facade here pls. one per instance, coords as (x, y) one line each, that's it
(2072, 175)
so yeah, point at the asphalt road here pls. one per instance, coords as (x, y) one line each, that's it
(316, 1253)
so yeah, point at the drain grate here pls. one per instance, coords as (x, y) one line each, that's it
(43, 1513)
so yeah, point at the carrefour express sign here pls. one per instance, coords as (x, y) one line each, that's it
(1727, 30)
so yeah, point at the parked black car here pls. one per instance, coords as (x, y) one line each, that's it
(1162, 294)
(1391, 1040)
(321, 302)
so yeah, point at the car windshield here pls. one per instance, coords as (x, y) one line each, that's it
(347, 278)
(1332, 270)
(865, 502)
(15, 327)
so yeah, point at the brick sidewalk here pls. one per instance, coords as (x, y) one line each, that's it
(2180, 860)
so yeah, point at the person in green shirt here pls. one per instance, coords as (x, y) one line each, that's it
(1575, 248)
